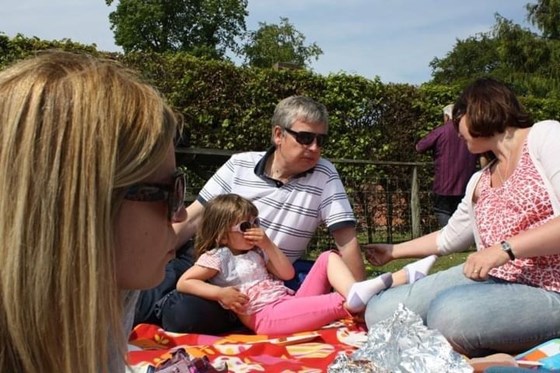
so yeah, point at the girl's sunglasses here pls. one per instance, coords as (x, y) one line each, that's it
(173, 193)
(307, 138)
(244, 226)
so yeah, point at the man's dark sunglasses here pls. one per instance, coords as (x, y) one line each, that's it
(306, 138)
(173, 193)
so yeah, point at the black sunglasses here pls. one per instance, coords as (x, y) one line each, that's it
(244, 226)
(173, 193)
(307, 138)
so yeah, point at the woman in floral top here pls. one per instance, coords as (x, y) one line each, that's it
(505, 297)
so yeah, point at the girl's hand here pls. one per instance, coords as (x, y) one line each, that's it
(232, 299)
(258, 237)
(480, 263)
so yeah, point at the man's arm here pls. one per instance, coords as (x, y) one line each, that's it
(428, 142)
(186, 229)
(347, 244)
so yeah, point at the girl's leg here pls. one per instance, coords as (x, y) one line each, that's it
(414, 271)
(361, 292)
(329, 271)
(294, 314)
(317, 282)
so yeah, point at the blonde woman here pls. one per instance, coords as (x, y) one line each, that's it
(88, 195)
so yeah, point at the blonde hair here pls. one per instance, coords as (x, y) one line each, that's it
(220, 214)
(75, 132)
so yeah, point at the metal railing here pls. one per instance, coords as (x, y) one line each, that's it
(391, 200)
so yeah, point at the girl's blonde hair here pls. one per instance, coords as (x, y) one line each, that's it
(75, 132)
(220, 214)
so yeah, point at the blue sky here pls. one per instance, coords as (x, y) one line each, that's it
(392, 39)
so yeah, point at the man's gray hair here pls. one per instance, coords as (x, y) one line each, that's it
(448, 110)
(299, 108)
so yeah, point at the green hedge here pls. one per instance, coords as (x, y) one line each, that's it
(229, 107)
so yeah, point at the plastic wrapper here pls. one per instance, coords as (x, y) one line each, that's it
(181, 362)
(402, 344)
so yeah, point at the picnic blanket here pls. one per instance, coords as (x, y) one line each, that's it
(306, 352)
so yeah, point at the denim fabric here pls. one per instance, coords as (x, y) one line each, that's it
(477, 318)
(149, 302)
(185, 313)
(498, 369)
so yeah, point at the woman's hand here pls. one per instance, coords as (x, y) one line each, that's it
(232, 299)
(378, 254)
(480, 263)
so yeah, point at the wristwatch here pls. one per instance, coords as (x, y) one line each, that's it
(507, 248)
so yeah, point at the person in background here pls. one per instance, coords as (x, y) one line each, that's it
(241, 268)
(506, 296)
(453, 166)
(295, 190)
(88, 195)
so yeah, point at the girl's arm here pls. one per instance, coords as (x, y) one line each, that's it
(193, 281)
(278, 263)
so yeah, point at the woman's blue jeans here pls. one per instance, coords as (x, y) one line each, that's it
(477, 318)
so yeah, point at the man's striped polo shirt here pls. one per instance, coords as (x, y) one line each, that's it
(291, 212)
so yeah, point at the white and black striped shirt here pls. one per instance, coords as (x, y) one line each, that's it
(291, 212)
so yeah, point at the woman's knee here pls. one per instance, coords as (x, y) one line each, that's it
(458, 320)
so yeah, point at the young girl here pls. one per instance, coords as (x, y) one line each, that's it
(245, 270)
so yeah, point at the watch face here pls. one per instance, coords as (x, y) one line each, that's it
(507, 248)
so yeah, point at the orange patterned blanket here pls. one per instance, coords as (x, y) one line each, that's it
(301, 352)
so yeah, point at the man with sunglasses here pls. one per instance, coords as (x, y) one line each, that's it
(295, 190)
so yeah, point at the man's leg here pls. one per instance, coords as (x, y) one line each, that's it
(148, 300)
(444, 207)
(185, 313)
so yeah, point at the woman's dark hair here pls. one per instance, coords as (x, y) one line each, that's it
(490, 107)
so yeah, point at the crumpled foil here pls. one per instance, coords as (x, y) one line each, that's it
(402, 344)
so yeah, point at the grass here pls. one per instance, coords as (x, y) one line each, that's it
(441, 263)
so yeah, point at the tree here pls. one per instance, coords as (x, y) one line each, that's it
(272, 43)
(200, 27)
(472, 57)
(545, 15)
(527, 61)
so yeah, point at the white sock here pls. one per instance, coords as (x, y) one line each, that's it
(419, 269)
(361, 292)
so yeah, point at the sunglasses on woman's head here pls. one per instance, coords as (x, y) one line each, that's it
(244, 226)
(307, 138)
(173, 193)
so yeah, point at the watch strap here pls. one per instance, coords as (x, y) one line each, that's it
(508, 249)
